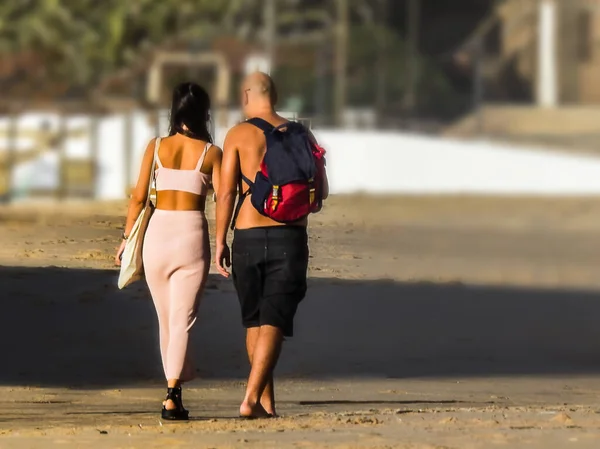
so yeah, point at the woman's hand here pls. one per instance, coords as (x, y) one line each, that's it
(120, 253)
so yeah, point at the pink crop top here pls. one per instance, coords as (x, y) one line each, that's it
(192, 181)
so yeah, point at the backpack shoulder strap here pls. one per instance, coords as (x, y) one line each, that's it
(262, 124)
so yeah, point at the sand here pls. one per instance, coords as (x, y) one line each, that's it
(430, 323)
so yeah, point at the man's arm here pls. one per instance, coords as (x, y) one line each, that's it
(216, 169)
(325, 185)
(228, 185)
(228, 182)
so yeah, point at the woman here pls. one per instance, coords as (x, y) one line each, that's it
(176, 251)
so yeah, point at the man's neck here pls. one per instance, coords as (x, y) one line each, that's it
(265, 114)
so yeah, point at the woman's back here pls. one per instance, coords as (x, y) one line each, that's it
(183, 172)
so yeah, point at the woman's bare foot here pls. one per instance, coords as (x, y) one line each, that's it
(255, 411)
(173, 409)
(169, 405)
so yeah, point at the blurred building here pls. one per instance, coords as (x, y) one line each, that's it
(544, 51)
(536, 73)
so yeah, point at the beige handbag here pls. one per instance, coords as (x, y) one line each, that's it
(132, 267)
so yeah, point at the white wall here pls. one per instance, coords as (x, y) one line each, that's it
(371, 162)
(400, 163)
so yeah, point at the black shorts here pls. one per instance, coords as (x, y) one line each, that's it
(269, 272)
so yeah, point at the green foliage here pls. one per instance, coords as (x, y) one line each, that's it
(79, 42)
(433, 90)
(83, 40)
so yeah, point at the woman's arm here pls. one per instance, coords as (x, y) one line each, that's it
(140, 192)
(216, 168)
(138, 197)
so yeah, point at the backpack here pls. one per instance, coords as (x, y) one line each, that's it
(288, 186)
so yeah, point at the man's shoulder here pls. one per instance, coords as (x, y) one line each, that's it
(242, 127)
(241, 130)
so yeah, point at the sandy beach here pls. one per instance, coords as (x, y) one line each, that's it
(430, 323)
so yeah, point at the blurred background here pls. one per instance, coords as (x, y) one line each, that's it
(460, 246)
(461, 96)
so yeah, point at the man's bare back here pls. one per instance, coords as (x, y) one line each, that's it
(251, 147)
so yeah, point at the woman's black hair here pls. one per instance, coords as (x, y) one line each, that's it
(190, 107)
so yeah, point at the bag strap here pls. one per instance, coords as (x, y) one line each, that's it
(261, 124)
(204, 153)
(266, 126)
(156, 155)
(238, 207)
(241, 199)
(153, 171)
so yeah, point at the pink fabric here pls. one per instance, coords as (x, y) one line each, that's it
(192, 181)
(176, 255)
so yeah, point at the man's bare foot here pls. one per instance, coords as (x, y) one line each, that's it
(269, 408)
(255, 411)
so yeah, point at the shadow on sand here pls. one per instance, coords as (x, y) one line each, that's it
(73, 328)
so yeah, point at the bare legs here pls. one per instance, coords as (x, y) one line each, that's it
(264, 346)
(267, 399)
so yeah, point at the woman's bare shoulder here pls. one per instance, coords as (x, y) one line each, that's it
(215, 149)
(166, 140)
(214, 154)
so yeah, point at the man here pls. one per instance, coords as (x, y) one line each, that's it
(269, 260)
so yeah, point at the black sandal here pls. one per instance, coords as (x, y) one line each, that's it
(178, 413)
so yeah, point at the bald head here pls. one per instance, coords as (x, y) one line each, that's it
(261, 86)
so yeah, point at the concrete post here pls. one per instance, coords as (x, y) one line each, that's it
(547, 77)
